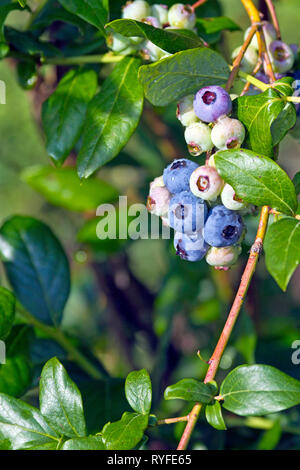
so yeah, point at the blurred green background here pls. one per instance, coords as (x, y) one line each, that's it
(141, 306)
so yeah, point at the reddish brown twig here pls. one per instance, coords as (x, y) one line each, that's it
(239, 57)
(274, 17)
(198, 4)
(232, 317)
(255, 71)
(173, 420)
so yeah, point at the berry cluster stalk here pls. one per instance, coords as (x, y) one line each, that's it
(214, 362)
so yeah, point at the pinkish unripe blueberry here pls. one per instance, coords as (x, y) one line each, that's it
(159, 198)
(136, 10)
(223, 257)
(282, 56)
(228, 133)
(182, 16)
(185, 111)
(198, 138)
(230, 199)
(205, 182)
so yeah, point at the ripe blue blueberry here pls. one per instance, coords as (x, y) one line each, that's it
(282, 56)
(223, 227)
(177, 175)
(211, 102)
(187, 213)
(190, 247)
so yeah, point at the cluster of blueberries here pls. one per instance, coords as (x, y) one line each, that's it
(179, 16)
(194, 200)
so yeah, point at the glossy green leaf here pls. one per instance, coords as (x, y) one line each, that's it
(36, 267)
(62, 187)
(282, 248)
(60, 400)
(214, 416)
(259, 390)
(257, 179)
(285, 86)
(172, 78)
(259, 113)
(216, 25)
(64, 112)
(112, 117)
(24, 426)
(190, 390)
(6, 6)
(296, 181)
(16, 373)
(7, 311)
(126, 433)
(169, 40)
(26, 42)
(22, 2)
(94, 12)
(48, 15)
(84, 443)
(138, 390)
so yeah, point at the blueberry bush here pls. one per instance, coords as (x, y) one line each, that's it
(122, 94)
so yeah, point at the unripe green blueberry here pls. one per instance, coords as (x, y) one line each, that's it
(249, 60)
(185, 111)
(118, 43)
(136, 10)
(228, 133)
(160, 12)
(198, 138)
(182, 16)
(152, 52)
(223, 257)
(205, 182)
(282, 56)
(269, 33)
(230, 200)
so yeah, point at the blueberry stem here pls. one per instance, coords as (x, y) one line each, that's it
(198, 4)
(274, 17)
(173, 420)
(231, 320)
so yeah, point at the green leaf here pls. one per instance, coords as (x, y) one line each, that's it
(94, 12)
(60, 400)
(27, 43)
(258, 113)
(84, 443)
(257, 179)
(259, 390)
(169, 40)
(62, 187)
(64, 112)
(296, 181)
(7, 311)
(22, 3)
(271, 437)
(24, 426)
(138, 391)
(16, 373)
(214, 416)
(6, 6)
(36, 267)
(216, 24)
(172, 78)
(282, 247)
(112, 117)
(126, 433)
(190, 390)
(285, 86)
